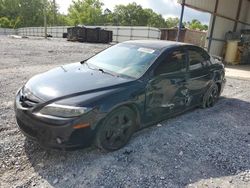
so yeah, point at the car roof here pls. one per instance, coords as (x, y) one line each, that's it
(157, 44)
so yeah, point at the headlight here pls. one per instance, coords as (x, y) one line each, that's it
(63, 110)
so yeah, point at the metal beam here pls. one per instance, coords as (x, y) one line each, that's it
(217, 14)
(212, 26)
(216, 39)
(238, 15)
(180, 22)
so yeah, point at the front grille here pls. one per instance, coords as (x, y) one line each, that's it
(27, 103)
(27, 99)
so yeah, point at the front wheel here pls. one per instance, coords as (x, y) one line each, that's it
(116, 129)
(211, 96)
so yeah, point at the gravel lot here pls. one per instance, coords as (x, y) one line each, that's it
(201, 148)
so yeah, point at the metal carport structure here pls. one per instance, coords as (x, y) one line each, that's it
(226, 15)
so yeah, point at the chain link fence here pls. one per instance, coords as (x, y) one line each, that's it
(120, 33)
(6, 31)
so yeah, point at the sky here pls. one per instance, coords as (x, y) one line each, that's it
(168, 8)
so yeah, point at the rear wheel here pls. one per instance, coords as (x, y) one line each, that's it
(116, 129)
(211, 96)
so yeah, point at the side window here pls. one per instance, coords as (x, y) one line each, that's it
(196, 59)
(174, 62)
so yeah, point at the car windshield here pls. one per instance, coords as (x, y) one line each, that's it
(124, 59)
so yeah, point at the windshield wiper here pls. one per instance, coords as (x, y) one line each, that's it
(98, 69)
(83, 61)
(105, 72)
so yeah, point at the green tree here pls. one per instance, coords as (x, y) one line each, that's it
(131, 14)
(196, 25)
(87, 12)
(61, 19)
(108, 17)
(26, 13)
(205, 27)
(9, 13)
(134, 15)
(172, 22)
(5, 22)
(31, 12)
(53, 15)
(154, 19)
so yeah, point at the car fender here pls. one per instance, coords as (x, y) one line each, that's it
(133, 100)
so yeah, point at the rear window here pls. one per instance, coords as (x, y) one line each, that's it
(174, 62)
(198, 58)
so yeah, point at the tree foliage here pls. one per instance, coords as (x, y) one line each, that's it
(196, 25)
(90, 12)
(26, 13)
(154, 19)
(134, 14)
(86, 12)
(172, 22)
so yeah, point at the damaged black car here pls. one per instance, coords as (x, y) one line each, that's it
(103, 100)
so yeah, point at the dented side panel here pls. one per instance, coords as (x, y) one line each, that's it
(165, 95)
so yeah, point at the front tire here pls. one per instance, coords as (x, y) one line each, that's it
(116, 130)
(211, 96)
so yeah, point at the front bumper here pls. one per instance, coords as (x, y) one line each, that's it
(56, 134)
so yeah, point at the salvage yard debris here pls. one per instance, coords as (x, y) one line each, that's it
(86, 34)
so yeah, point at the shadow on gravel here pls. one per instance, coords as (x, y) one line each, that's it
(198, 145)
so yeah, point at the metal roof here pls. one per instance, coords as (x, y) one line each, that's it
(223, 10)
(202, 5)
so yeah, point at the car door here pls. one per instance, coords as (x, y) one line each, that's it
(198, 73)
(166, 90)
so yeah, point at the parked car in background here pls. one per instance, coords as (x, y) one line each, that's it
(106, 98)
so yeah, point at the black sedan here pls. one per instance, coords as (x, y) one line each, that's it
(106, 98)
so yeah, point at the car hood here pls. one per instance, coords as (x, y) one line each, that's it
(72, 79)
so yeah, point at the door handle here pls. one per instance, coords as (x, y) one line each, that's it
(168, 105)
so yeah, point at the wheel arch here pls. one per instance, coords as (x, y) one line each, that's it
(217, 78)
(133, 107)
(130, 105)
(98, 127)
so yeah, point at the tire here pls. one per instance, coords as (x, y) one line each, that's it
(116, 130)
(211, 96)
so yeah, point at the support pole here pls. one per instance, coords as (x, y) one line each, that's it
(54, 13)
(237, 16)
(180, 22)
(212, 26)
(45, 18)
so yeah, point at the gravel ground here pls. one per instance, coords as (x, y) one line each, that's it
(201, 148)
